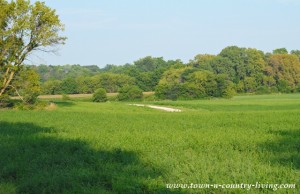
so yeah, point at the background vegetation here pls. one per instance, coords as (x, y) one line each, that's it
(233, 70)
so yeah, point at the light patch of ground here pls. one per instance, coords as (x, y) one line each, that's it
(167, 109)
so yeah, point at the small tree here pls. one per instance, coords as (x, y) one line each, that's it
(27, 86)
(128, 93)
(100, 95)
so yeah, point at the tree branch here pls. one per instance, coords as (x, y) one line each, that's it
(17, 92)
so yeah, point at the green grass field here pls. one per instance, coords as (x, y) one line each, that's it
(84, 147)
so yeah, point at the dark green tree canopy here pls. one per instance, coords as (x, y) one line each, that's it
(280, 51)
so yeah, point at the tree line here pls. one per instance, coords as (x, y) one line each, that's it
(233, 70)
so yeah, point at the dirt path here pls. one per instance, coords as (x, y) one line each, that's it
(158, 107)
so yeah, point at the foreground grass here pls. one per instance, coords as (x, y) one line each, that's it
(85, 147)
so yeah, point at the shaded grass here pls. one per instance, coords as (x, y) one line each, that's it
(35, 162)
(220, 145)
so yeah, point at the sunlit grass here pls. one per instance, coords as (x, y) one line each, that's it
(84, 147)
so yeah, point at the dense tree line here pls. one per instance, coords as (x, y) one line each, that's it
(233, 70)
(60, 72)
(87, 85)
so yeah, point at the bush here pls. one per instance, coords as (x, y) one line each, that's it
(274, 89)
(263, 90)
(283, 86)
(100, 95)
(38, 105)
(128, 93)
(5, 102)
(65, 97)
(167, 91)
(112, 98)
(30, 97)
(228, 92)
(150, 97)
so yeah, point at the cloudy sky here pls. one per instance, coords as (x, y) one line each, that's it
(104, 32)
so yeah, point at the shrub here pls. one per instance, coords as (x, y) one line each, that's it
(5, 102)
(167, 91)
(65, 97)
(27, 85)
(128, 93)
(263, 90)
(150, 97)
(112, 98)
(228, 92)
(274, 89)
(283, 86)
(298, 88)
(100, 95)
(38, 105)
(31, 97)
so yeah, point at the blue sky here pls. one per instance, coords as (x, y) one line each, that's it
(104, 32)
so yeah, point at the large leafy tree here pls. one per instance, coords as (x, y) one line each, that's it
(285, 69)
(24, 29)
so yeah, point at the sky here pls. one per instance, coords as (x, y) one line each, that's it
(102, 32)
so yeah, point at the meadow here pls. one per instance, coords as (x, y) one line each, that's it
(85, 147)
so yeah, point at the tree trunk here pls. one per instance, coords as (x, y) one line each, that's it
(7, 82)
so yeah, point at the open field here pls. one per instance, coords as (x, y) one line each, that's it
(84, 147)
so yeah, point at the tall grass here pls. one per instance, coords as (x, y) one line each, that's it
(85, 147)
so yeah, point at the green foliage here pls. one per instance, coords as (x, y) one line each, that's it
(5, 102)
(24, 29)
(85, 85)
(100, 95)
(27, 85)
(112, 98)
(250, 84)
(52, 87)
(201, 61)
(60, 72)
(245, 62)
(297, 88)
(130, 93)
(235, 69)
(65, 97)
(150, 97)
(69, 86)
(149, 64)
(38, 105)
(189, 83)
(285, 69)
(280, 51)
(283, 86)
(168, 91)
(263, 90)
(111, 82)
(296, 52)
